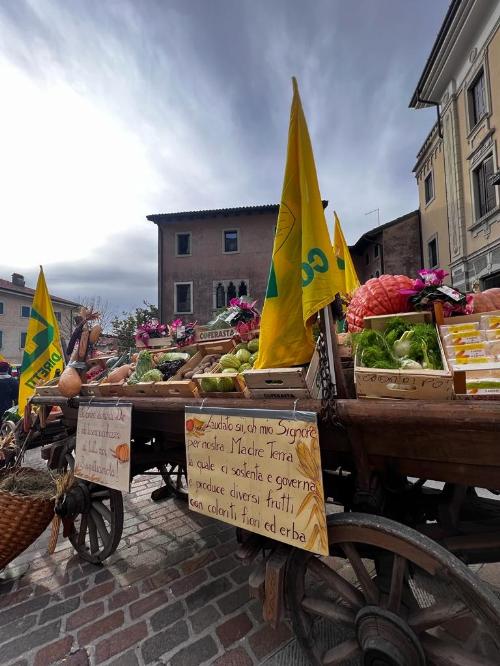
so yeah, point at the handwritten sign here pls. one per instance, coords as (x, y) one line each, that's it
(259, 470)
(102, 453)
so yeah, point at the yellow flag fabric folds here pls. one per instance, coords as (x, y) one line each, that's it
(300, 280)
(345, 277)
(42, 351)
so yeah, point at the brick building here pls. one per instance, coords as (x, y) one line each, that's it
(393, 248)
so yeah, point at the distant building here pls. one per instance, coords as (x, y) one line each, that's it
(457, 168)
(394, 248)
(207, 257)
(15, 306)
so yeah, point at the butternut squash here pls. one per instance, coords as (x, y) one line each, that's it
(119, 374)
(70, 382)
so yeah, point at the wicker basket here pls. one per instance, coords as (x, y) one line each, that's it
(22, 520)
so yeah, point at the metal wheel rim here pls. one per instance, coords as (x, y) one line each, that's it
(409, 545)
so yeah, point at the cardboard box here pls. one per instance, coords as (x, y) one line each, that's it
(403, 384)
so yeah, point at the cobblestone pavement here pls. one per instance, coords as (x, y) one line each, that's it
(173, 593)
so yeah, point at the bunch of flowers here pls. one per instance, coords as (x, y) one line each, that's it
(182, 333)
(429, 288)
(238, 312)
(150, 329)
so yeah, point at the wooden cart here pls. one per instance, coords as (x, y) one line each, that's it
(408, 595)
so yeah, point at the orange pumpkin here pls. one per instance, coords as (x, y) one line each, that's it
(486, 301)
(122, 452)
(378, 296)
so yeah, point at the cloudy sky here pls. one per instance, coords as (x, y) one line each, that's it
(115, 109)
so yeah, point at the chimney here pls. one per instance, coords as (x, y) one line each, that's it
(18, 280)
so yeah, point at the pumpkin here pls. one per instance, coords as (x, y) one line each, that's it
(70, 382)
(486, 301)
(378, 296)
(122, 452)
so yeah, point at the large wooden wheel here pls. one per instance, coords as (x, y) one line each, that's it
(94, 514)
(388, 596)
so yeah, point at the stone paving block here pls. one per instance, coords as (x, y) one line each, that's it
(234, 600)
(163, 642)
(54, 652)
(128, 659)
(97, 629)
(197, 562)
(120, 641)
(102, 576)
(166, 616)
(123, 597)
(58, 610)
(241, 574)
(23, 609)
(234, 629)
(99, 591)
(78, 658)
(206, 593)
(148, 603)
(188, 583)
(84, 615)
(37, 638)
(237, 657)
(160, 579)
(17, 627)
(223, 566)
(204, 618)
(266, 640)
(195, 653)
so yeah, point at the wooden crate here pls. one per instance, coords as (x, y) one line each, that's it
(92, 389)
(110, 390)
(204, 334)
(240, 389)
(277, 382)
(403, 384)
(49, 389)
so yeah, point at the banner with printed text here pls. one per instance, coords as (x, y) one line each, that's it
(259, 470)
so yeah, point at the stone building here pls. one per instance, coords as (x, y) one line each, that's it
(457, 168)
(207, 257)
(15, 306)
(394, 248)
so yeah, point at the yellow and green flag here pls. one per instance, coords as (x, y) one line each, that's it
(300, 280)
(42, 351)
(345, 277)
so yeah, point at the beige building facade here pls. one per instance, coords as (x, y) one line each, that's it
(457, 168)
(15, 306)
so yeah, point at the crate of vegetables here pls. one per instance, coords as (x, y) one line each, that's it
(401, 356)
(224, 378)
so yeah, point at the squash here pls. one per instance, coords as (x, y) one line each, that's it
(378, 296)
(486, 301)
(70, 382)
(95, 334)
(119, 374)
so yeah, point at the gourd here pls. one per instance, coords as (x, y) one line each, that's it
(378, 296)
(486, 301)
(119, 374)
(70, 382)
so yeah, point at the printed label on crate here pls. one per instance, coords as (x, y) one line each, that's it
(259, 470)
(206, 335)
(102, 453)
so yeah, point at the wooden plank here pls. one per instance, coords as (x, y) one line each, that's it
(292, 393)
(257, 581)
(276, 378)
(274, 602)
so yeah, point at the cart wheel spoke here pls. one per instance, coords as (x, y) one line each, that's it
(99, 494)
(94, 543)
(446, 654)
(328, 609)
(397, 582)
(82, 531)
(369, 588)
(101, 527)
(341, 653)
(102, 510)
(340, 585)
(435, 615)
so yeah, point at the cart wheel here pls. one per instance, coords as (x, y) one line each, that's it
(98, 525)
(433, 610)
(174, 475)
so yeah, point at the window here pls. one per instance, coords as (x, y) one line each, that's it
(183, 296)
(429, 187)
(243, 289)
(1, 339)
(484, 189)
(376, 250)
(23, 339)
(225, 290)
(183, 244)
(433, 253)
(220, 296)
(1, 308)
(57, 316)
(231, 240)
(477, 99)
(25, 311)
(231, 292)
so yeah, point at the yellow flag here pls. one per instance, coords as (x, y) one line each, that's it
(300, 280)
(42, 351)
(345, 277)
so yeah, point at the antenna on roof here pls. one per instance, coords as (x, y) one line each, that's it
(375, 210)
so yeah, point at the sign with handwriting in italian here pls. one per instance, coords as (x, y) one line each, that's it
(102, 453)
(259, 470)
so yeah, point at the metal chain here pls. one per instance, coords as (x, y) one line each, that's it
(328, 391)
